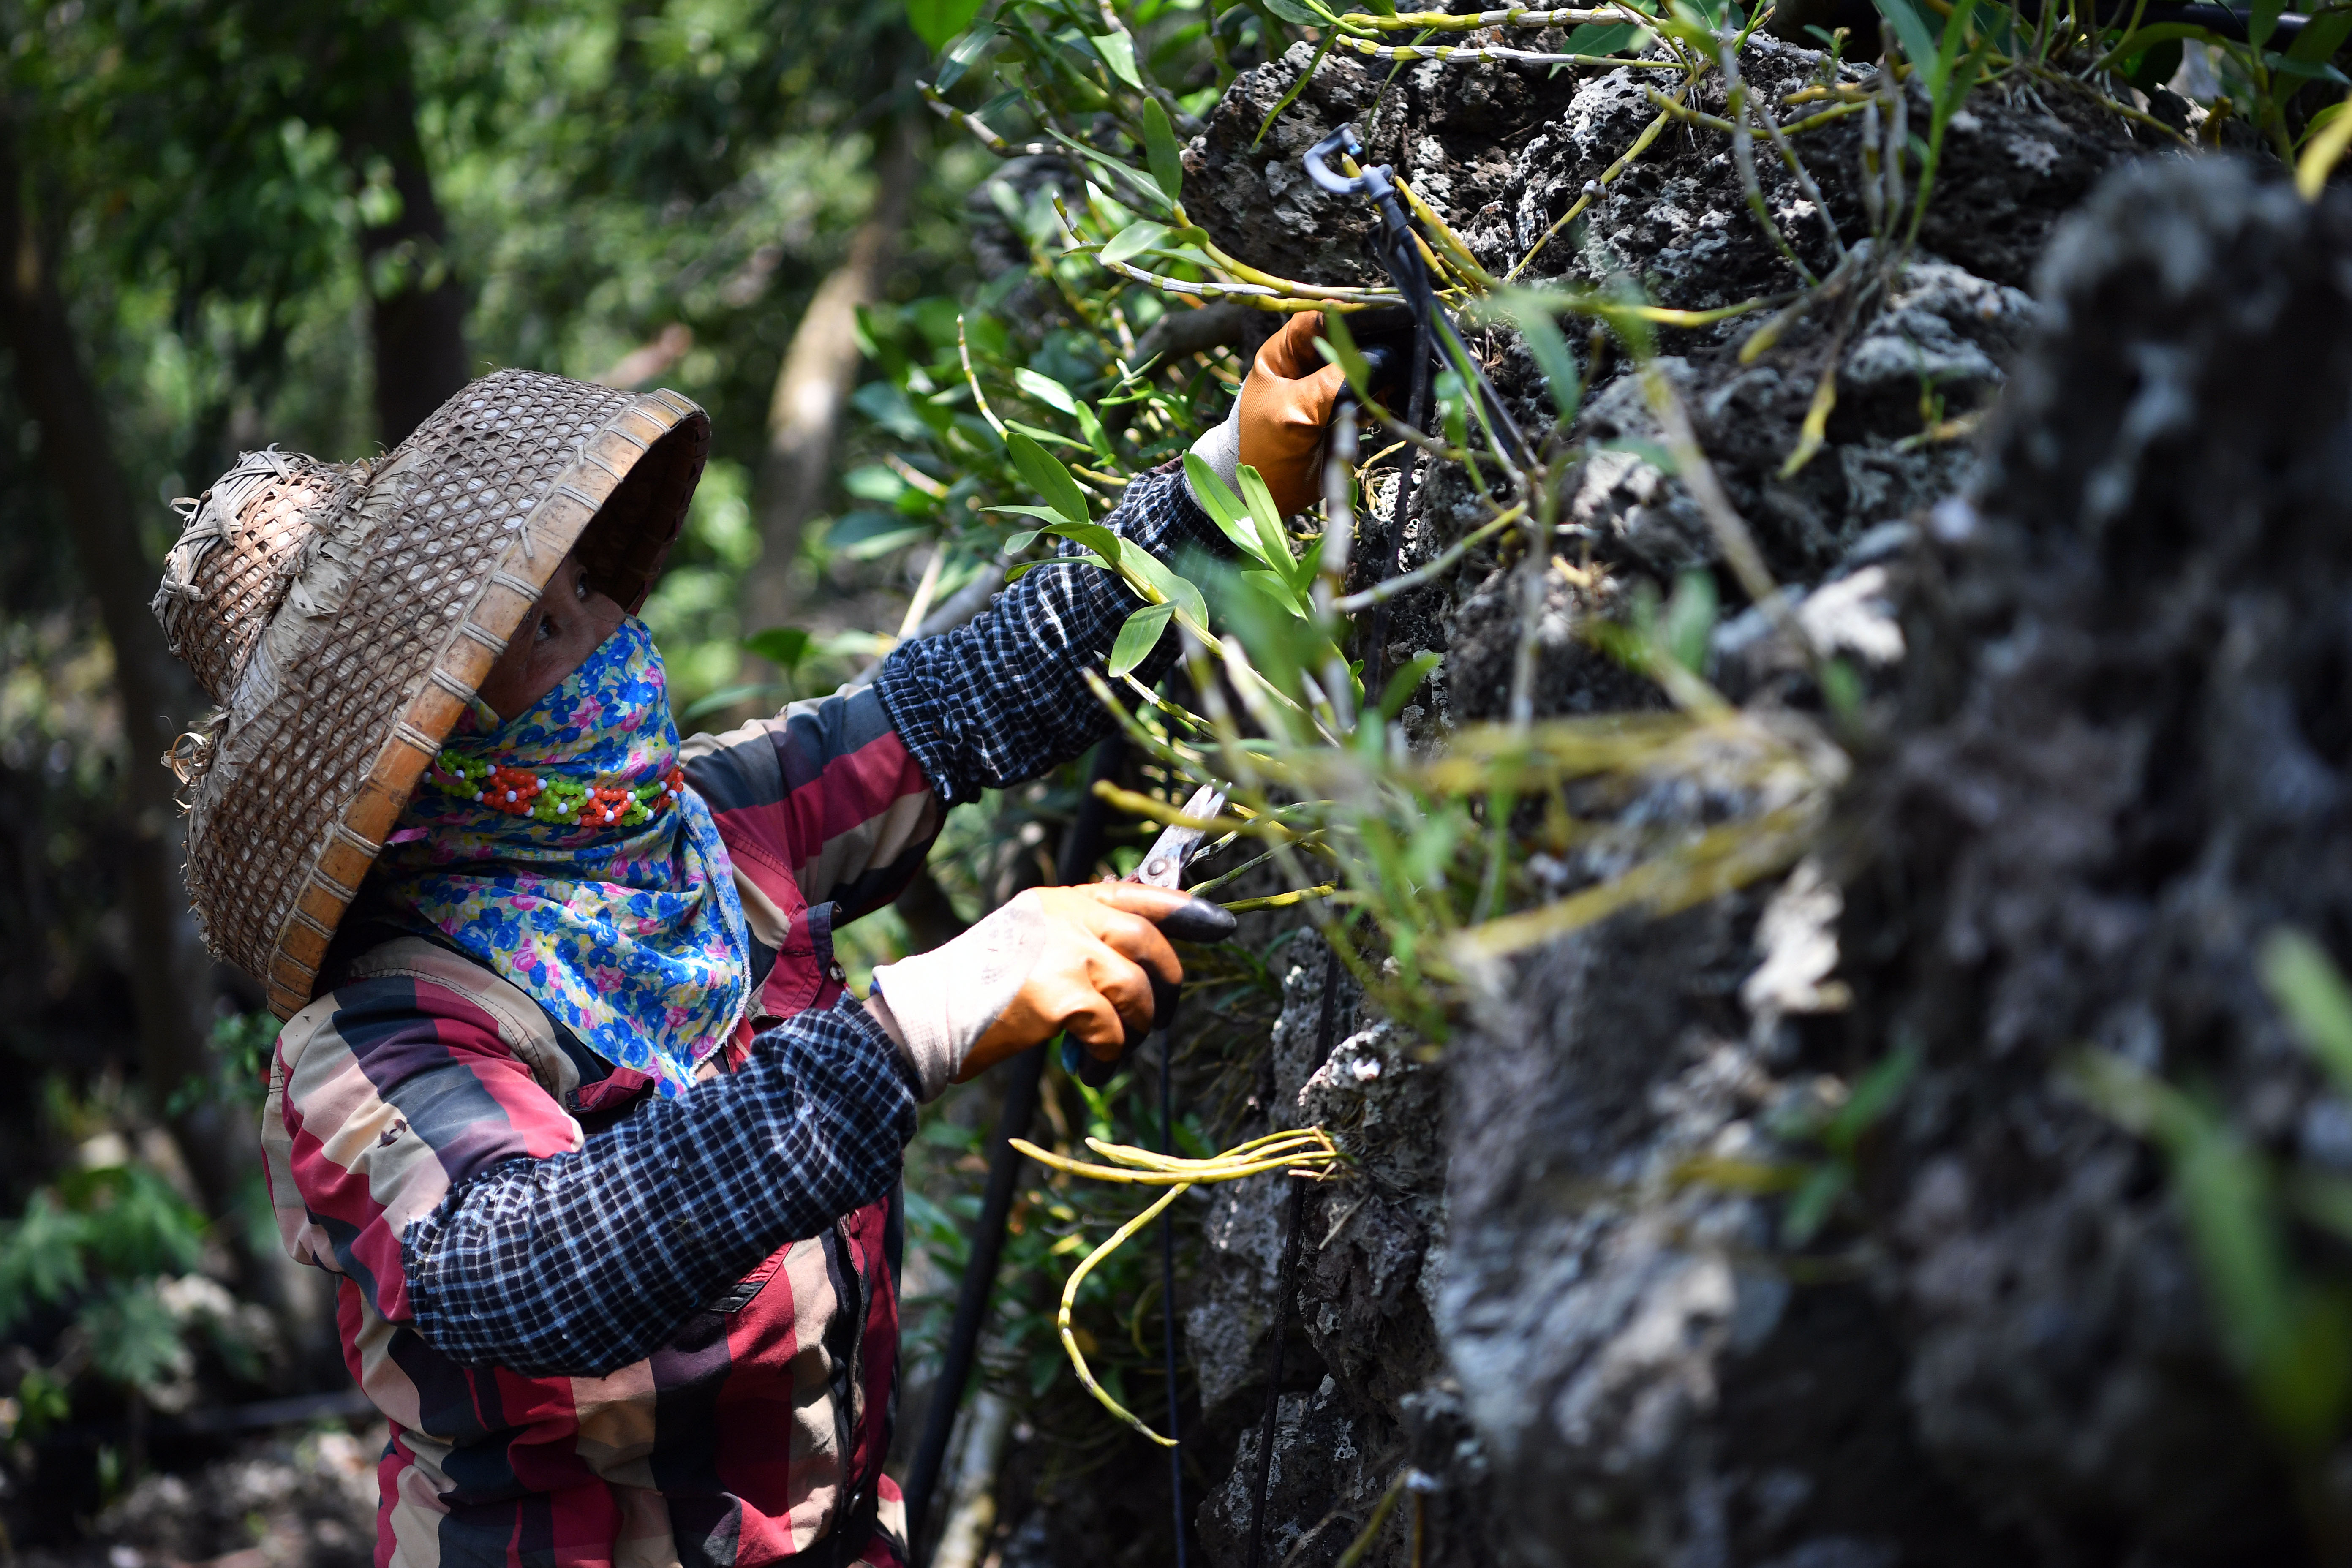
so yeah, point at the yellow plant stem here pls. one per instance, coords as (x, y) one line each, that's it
(1137, 805)
(1468, 265)
(1650, 133)
(1472, 21)
(1720, 860)
(1282, 900)
(1070, 1298)
(963, 352)
(1306, 1151)
(1473, 54)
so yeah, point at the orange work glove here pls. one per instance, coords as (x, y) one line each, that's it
(1089, 959)
(1277, 422)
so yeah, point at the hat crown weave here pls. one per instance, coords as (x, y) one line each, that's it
(238, 555)
(343, 614)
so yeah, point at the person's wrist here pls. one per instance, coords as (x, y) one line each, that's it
(924, 1039)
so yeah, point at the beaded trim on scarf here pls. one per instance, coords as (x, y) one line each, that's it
(520, 792)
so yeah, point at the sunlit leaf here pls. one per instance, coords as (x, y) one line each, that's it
(1139, 637)
(959, 60)
(1176, 590)
(1135, 239)
(1273, 539)
(1045, 390)
(1224, 508)
(1118, 52)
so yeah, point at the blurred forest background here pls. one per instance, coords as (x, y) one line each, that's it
(229, 225)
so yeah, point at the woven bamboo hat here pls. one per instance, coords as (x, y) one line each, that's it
(341, 614)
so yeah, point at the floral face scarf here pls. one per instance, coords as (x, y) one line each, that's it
(562, 849)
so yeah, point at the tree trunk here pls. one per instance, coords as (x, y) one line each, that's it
(819, 373)
(171, 977)
(416, 310)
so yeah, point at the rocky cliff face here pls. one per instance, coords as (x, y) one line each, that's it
(1668, 1294)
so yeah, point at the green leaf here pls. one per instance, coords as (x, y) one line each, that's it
(40, 1258)
(2310, 990)
(1139, 637)
(1135, 239)
(2322, 36)
(1047, 476)
(1160, 152)
(1948, 51)
(2263, 21)
(134, 1340)
(1689, 618)
(1118, 52)
(783, 647)
(1872, 1097)
(1274, 587)
(866, 535)
(137, 1224)
(1809, 1206)
(1176, 590)
(1083, 558)
(1094, 536)
(959, 60)
(1309, 562)
(1223, 507)
(1919, 39)
(1274, 540)
(1531, 313)
(937, 22)
(1602, 38)
(1292, 11)
(1045, 390)
(1042, 513)
(2144, 38)
(1407, 681)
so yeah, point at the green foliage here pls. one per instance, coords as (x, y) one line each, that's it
(2284, 1321)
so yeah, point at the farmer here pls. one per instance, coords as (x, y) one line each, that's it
(570, 1097)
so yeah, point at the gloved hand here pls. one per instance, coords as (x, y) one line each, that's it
(1091, 960)
(1277, 424)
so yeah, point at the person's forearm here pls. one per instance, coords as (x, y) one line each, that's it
(1003, 698)
(582, 1263)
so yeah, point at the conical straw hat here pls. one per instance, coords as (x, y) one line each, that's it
(341, 614)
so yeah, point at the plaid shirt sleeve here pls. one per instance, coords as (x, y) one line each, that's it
(578, 1263)
(998, 702)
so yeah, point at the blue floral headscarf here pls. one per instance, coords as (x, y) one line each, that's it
(562, 849)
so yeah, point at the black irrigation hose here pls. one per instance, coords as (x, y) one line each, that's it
(1168, 1294)
(1398, 250)
(1023, 1075)
(1286, 1281)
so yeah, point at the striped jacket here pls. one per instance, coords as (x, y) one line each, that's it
(615, 1328)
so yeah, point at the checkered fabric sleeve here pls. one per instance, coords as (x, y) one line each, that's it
(583, 1262)
(1000, 700)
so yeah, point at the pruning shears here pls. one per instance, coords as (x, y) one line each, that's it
(1163, 866)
